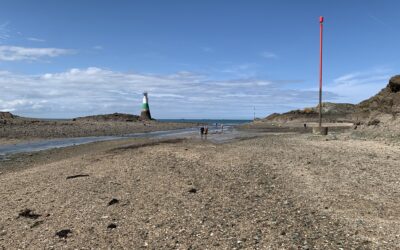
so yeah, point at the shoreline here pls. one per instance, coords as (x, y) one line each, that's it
(26, 131)
(215, 136)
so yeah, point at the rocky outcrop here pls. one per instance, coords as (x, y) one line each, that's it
(394, 84)
(6, 116)
(116, 117)
(381, 108)
(332, 112)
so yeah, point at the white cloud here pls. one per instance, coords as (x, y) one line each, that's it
(357, 86)
(268, 55)
(98, 47)
(94, 90)
(13, 105)
(14, 53)
(34, 39)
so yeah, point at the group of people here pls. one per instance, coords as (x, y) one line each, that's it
(204, 131)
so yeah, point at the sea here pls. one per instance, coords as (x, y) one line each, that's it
(210, 122)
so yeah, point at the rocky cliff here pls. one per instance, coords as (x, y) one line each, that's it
(383, 107)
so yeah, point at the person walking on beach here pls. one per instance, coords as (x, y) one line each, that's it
(206, 131)
(222, 128)
(201, 131)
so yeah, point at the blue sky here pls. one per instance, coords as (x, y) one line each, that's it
(197, 59)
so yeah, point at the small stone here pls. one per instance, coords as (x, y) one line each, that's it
(27, 213)
(77, 176)
(193, 190)
(111, 226)
(113, 201)
(63, 233)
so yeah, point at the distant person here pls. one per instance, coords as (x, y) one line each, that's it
(305, 125)
(202, 131)
(222, 128)
(206, 131)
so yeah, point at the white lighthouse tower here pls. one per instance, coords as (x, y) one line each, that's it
(145, 114)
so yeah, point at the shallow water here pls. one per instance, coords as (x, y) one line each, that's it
(215, 135)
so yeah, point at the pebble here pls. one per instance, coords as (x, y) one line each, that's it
(63, 233)
(27, 213)
(113, 201)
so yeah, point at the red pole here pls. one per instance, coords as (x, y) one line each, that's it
(321, 28)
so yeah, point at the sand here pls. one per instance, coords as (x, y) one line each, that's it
(281, 191)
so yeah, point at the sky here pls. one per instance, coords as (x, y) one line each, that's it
(216, 59)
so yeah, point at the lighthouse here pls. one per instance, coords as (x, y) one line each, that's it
(145, 114)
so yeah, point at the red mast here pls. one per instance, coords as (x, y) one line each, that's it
(321, 28)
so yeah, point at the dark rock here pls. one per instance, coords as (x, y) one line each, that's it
(27, 213)
(193, 190)
(373, 122)
(113, 201)
(111, 226)
(63, 233)
(394, 84)
(77, 176)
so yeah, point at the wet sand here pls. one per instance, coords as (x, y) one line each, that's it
(276, 191)
(20, 130)
(11, 141)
